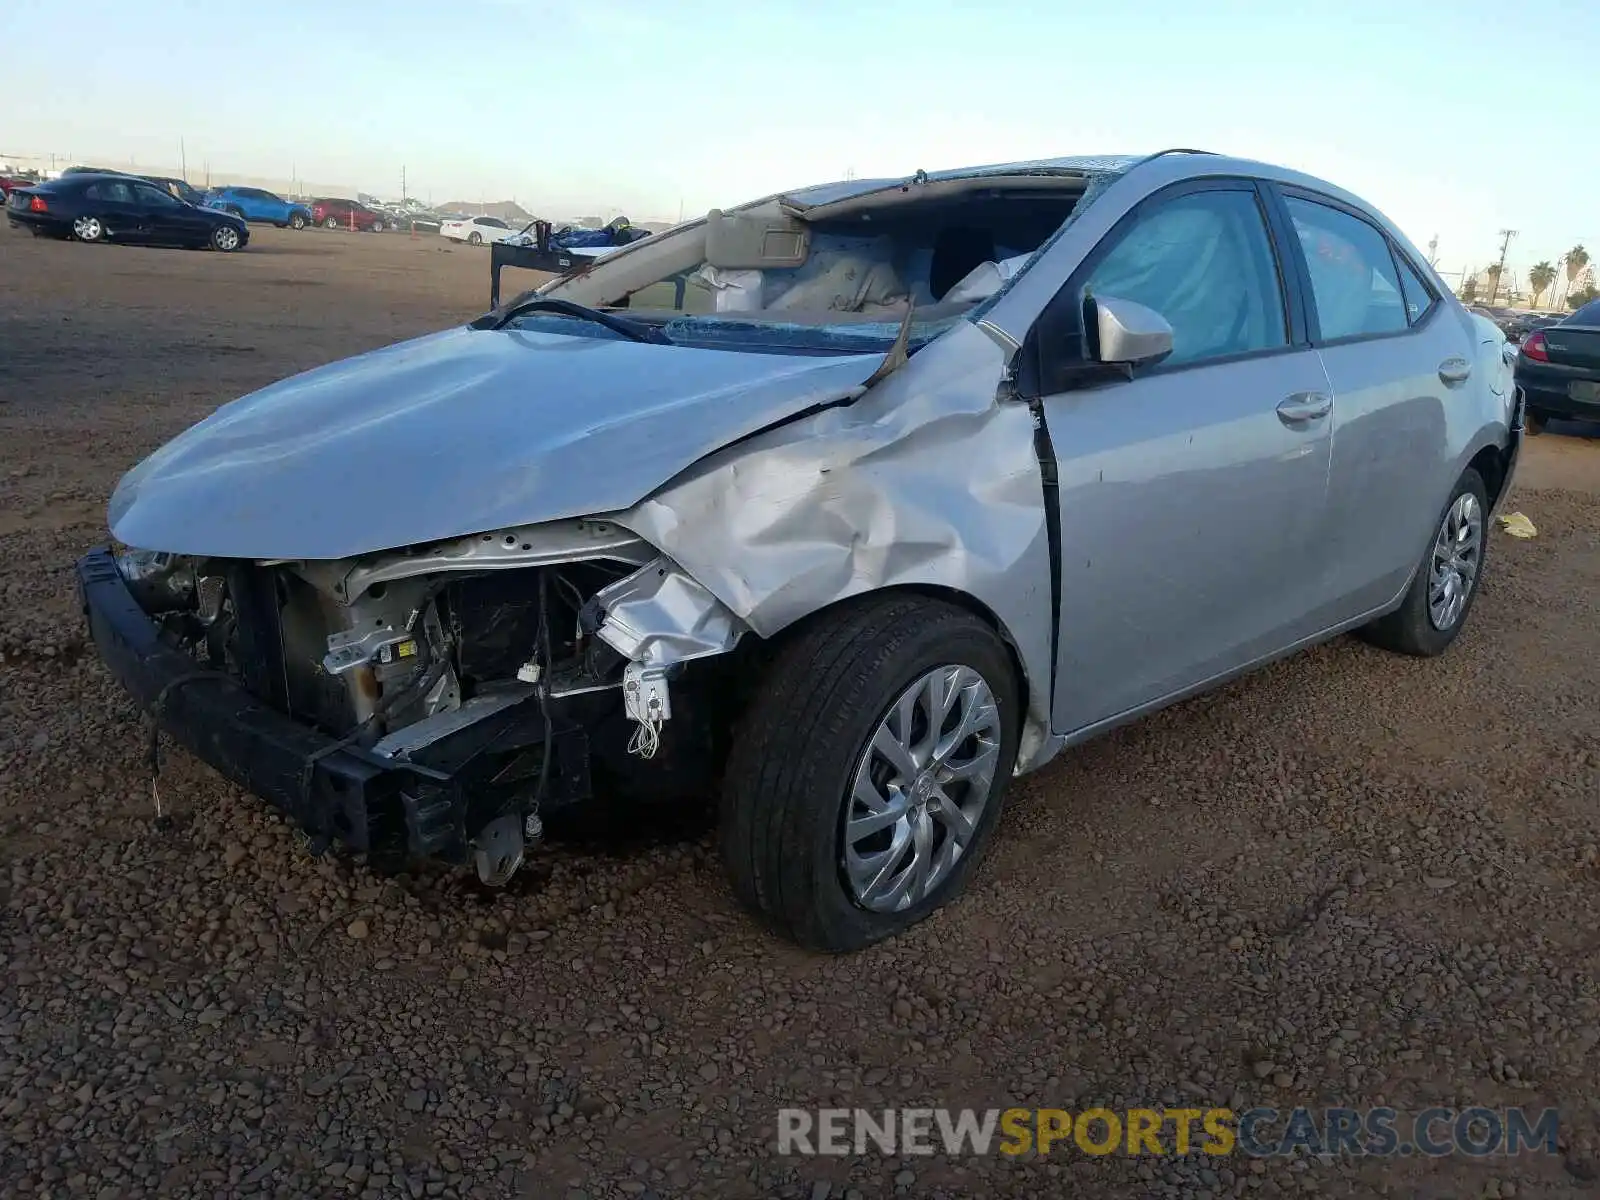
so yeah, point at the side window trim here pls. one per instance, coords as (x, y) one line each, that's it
(1035, 377)
(1282, 192)
(1403, 266)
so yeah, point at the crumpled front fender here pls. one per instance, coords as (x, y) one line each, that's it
(930, 479)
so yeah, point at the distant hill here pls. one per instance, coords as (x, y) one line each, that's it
(506, 210)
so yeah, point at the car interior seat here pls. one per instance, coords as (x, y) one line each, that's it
(957, 252)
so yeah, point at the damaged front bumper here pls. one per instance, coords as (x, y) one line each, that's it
(386, 807)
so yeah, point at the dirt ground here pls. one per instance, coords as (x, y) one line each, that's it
(1352, 879)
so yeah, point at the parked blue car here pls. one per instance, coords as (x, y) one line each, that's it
(257, 204)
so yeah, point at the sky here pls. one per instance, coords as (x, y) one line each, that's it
(1445, 114)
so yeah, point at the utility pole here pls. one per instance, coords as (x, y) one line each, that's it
(1505, 241)
(183, 158)
(403, 192)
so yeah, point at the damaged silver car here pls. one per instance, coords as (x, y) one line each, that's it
(846, 506)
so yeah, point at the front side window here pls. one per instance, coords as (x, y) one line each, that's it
(1353, 279)
(1203, 261)
(154, 197)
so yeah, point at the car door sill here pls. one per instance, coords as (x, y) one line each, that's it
(1107, 724)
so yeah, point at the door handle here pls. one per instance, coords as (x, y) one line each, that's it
(1455, 370)
(1304, 406)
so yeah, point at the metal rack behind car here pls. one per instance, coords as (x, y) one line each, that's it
(541, 256)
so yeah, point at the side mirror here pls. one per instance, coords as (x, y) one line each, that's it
(1128, 333)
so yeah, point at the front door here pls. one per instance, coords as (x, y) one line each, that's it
(1194, 494)
(167, 220)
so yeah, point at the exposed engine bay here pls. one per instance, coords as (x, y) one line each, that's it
(504, 669)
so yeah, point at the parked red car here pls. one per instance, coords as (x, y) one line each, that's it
(333, 213)
(7, 182)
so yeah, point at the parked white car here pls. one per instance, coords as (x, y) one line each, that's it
(477, 230)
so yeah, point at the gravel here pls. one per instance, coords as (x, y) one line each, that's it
(1351, 878)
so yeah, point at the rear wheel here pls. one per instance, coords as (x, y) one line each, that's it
(475, 239)
(297, 220)
(377, 227)
(331, 223)
(1441, 594)
(88, 229)
(868, 773)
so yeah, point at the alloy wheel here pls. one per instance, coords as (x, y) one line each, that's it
(920, 789)
(1457, 553)
(88, 229)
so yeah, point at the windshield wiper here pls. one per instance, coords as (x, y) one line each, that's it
(635, 331)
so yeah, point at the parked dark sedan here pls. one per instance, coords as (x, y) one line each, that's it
(1558, 369)
(121, 208)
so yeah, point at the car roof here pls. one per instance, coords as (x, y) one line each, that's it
(1078, 165)
(1155, 170)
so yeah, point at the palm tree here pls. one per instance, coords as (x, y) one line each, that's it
(1540, 276)
(1493, 272)
(1574, 260)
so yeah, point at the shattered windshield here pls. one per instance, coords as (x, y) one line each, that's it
(840, 277)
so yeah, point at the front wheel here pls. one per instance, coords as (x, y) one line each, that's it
(88, 229)
(331, 223)
(377, 227)
(297, 221)
(225, 238)
(1436, 604)
(868, 773)
(475, 239)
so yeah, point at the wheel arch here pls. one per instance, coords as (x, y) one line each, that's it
(1493, 464)
(932, 591)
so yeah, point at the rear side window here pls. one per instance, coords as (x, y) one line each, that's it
(1589, 314)
(1353, 279)
(116, 193)
(1205, 263)
(1419, 296)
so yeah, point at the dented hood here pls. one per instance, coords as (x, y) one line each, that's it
(455, 433)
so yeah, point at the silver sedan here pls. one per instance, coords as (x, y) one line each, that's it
(851, 503)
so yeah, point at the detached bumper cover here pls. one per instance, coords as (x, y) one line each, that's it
(370, 803)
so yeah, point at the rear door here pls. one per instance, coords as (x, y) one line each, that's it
(112, 201)
(1192, 493)
(1400, 362)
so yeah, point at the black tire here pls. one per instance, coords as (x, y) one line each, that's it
(474, 239)
(297, 220)
(377, 227)
(796, 749)
(331, 223)
(1409, 629)
(226, 239)
(235, 211)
